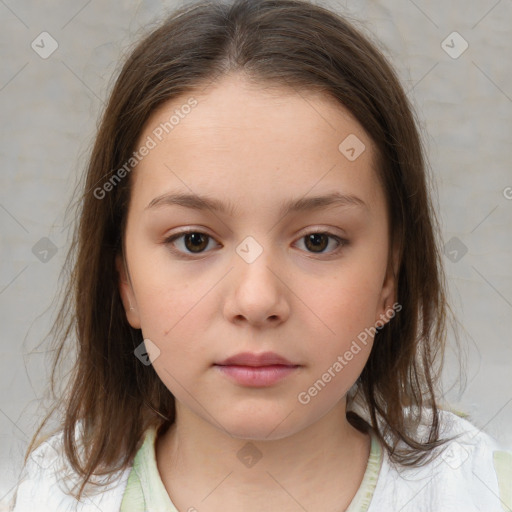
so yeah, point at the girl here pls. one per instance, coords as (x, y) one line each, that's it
(258, 294)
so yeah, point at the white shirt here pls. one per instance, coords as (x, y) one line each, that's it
(472, 473)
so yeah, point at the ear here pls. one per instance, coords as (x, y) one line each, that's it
(389, 289)
(126, 292)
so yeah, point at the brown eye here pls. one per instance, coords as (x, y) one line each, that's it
(317, 242)
(188, 242)
(196, 242)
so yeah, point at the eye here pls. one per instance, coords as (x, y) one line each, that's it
(194, 242)
(317, 241)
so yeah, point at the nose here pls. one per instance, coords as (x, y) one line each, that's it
(257, 292)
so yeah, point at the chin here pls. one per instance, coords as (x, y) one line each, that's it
(262, 426)
(259, 432)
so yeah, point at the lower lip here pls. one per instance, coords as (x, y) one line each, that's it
(257, 376)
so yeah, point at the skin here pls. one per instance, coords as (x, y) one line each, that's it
(257, 147)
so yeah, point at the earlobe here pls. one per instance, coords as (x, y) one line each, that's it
(126, 292)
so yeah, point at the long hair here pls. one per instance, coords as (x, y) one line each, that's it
(293, 43)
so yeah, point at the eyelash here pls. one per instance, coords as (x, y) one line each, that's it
(169, 241)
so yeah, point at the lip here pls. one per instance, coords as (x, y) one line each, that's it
(256, 376)
(252, 359)
(256, 370)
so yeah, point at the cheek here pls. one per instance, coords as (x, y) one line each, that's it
(174, 314)
(166, 294)
(174, 320)
(341, 328)
(343, 303)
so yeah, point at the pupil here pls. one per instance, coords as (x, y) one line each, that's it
(316, 238)
(197, 239)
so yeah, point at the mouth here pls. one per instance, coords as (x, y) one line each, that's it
(256, 370)
(256, 360)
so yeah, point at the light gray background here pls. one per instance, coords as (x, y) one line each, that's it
(49, 110)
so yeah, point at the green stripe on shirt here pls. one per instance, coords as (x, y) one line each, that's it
(503, 465)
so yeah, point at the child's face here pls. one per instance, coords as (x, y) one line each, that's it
(304, 298)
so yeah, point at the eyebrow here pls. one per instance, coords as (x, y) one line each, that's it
(201, 202)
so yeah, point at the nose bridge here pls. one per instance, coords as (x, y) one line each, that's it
(250, 250)
(256, 291)
(257, 259)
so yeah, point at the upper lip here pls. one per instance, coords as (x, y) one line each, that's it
(252, 359)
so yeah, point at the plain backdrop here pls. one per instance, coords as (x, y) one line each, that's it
(454, 61)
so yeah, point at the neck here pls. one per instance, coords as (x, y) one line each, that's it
(328, 456)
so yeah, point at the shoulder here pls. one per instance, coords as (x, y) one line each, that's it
(481, 462)
(47, 481)
(471, 444)
(472, 471)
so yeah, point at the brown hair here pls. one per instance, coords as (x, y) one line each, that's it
(290, 43)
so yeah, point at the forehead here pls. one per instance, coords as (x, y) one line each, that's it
(243, 138)
(259, 108)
